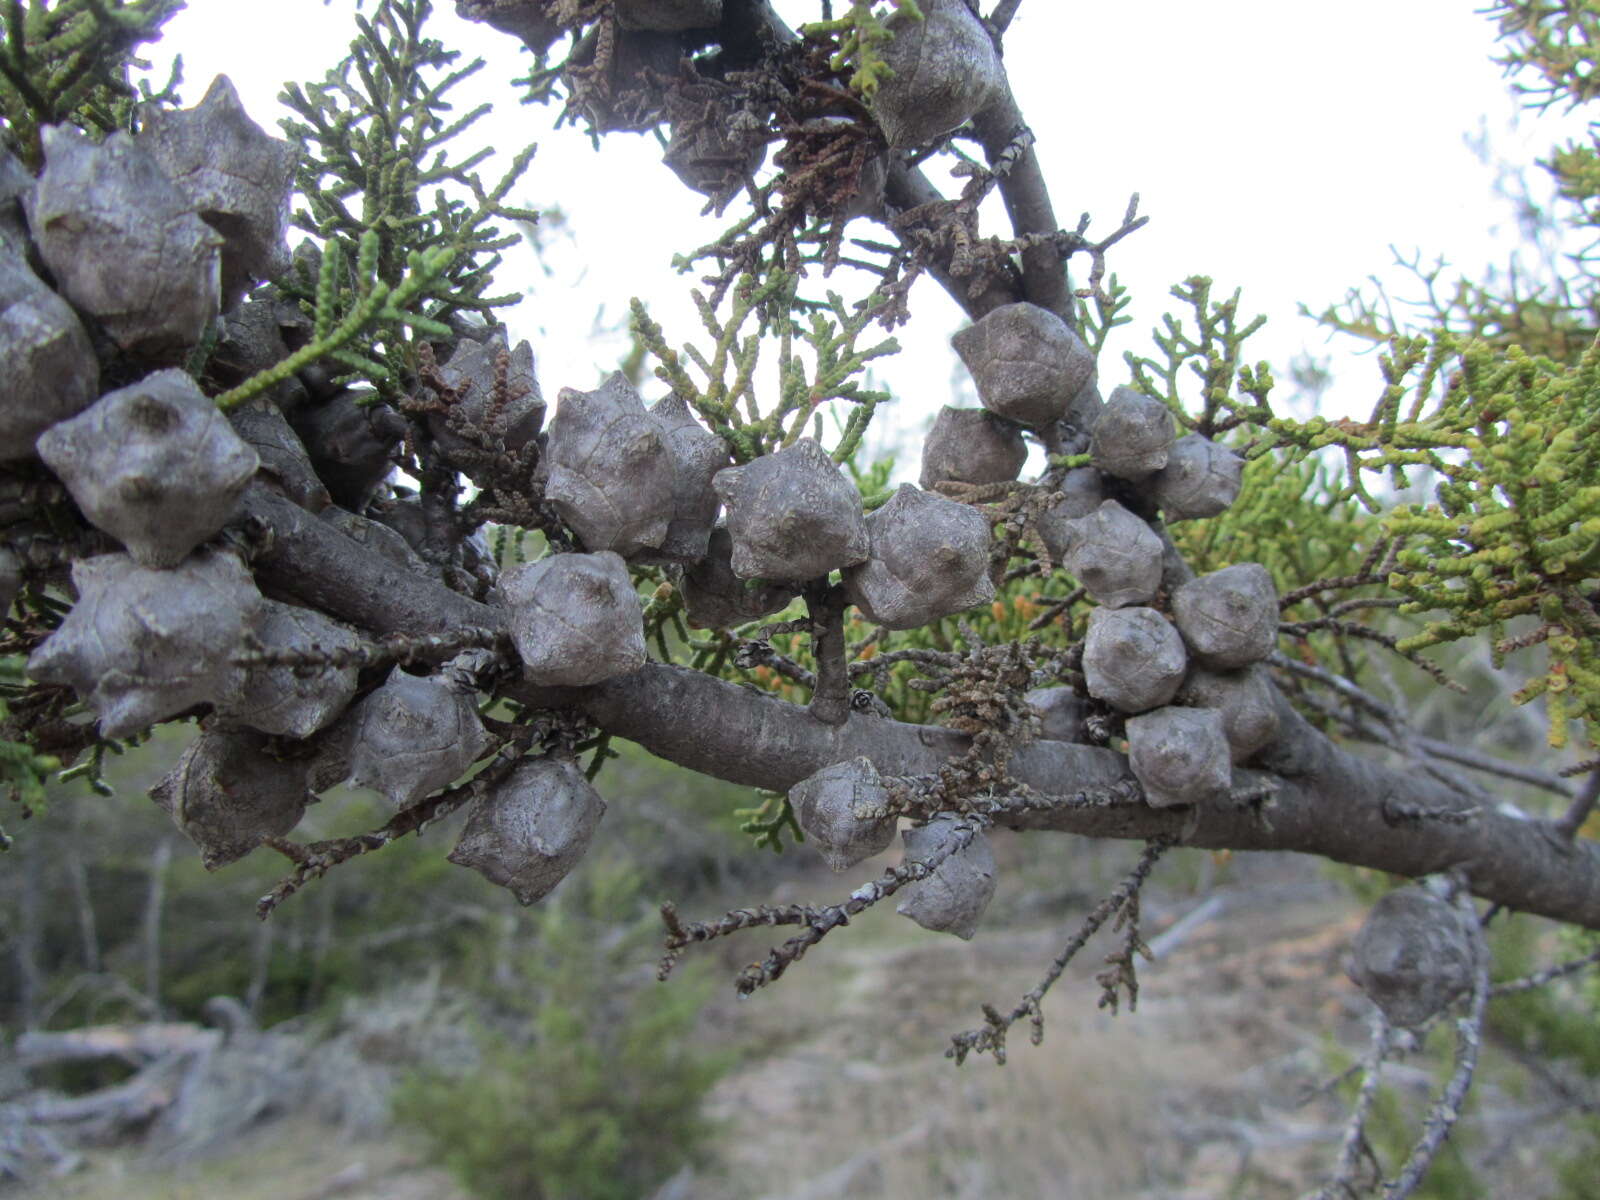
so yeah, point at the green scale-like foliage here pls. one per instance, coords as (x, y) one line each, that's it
(69, 62)
(1559, 44)
(818, 361)
(1510, 443)
(1514, 442)
(862, 32)
(376, 136)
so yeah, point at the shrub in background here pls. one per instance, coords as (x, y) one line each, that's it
(590, 1080)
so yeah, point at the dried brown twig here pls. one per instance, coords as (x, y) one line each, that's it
(992, 1038)
(406, 650)
(818, 921)
(1445, 1111)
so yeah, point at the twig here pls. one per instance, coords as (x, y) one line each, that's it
(1546, 975)
(1000, 19)
(1353, 1147)
(1362, 578)
(1447, 1110)
(316, 859)
(1338, 683)
(1121, 973)
(830, 703)
(818, 922)
(1582, 805)
(1055, 608)
(1462, 755)
(758, 653)
(1493, 766)
(992, 1038)
(1300, 629)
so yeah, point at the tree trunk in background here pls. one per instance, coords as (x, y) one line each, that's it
(260, 967)
(83, 902)
(154, 902)
(321, 943)
(505, 950)
(26, 940)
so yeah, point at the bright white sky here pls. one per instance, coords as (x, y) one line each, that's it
(1278, 147)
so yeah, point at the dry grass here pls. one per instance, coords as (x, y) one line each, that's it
(857, 1101)
(288, 1160)
(846, 1092)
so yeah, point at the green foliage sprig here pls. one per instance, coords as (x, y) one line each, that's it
(768, 822)
(1557, 40)
(69, 61)
(1558, 46)
(819, 361)
(861, 34)
(339, 330)
(1514, 441)
(24, 772)
(1291, 517)
(374, 136)
(1101, 312)
(1206, 343)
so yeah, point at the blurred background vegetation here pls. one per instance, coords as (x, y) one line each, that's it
(547, 1062)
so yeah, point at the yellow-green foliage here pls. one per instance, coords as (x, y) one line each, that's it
(1204, 346)
(818, 362)
(1514, 441)
(68, 60)
(1558, 44)
(1511, 442)
(1290, 518)
(377, 134)
(861, 34)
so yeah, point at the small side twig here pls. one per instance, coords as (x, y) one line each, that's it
(1121, 973)
(818, 921)
(1433, 747)
(1582, 805)
(315, 859)
(1000, 19)
(1546, 975)
(992, 1038)
(1446, 1111)
(830, 703)
(757, 653)
(1353, 1147)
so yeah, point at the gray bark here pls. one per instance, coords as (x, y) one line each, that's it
(1329, 802)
